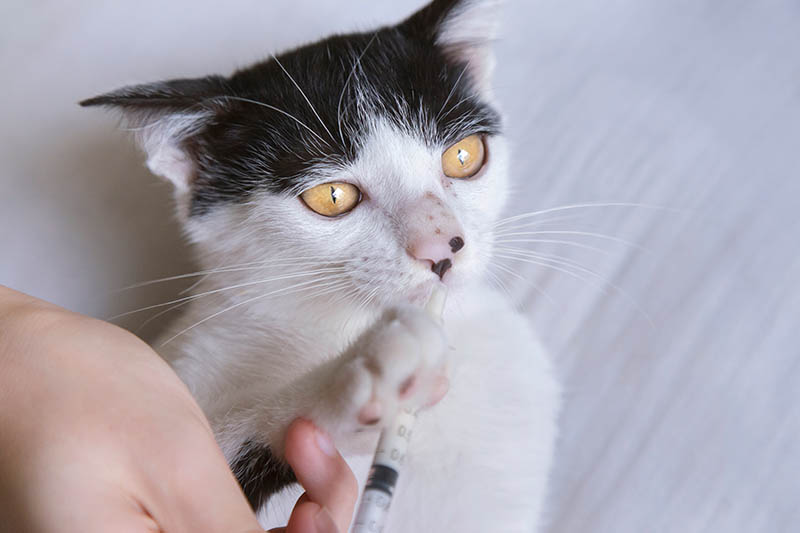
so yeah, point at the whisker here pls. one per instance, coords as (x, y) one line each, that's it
(535, 287)
(344, 283)
(242, 267)
(553, 262)
(555, 259)
(313, 109)
(453, 108)
(556, 241)
(238, 286)
(249, 300)
(347, 82)
(162, 313)
(193, 286)
(370, 296)
(333, 288)
(344, 295)
(581, 206)
(452, 91)
(520, 225)
(364, 301)
(497, 282)
(277, 110)
(577, 233)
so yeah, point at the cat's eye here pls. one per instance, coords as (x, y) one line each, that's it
(465, 158)
(332, 199)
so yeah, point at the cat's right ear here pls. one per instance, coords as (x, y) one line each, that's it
(464, 29)
(164, 116)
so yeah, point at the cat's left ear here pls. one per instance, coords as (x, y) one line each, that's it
(465, 30)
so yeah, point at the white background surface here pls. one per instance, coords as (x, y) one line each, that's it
(686, 424)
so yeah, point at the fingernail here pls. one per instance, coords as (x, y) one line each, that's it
(325, 443)
(324, 522)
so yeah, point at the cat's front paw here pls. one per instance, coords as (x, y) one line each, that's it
(398, 363)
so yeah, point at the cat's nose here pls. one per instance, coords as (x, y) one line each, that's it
(434, 235)
(437, 250)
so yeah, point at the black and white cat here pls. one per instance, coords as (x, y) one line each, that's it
(327, 191)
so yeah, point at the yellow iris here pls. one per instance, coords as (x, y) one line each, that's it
(465, 158)
(332, 199)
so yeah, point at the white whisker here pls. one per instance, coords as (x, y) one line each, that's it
(453, 108)
(538, 289)
(555, 263)
(160, 314)
(347, 82)
(577, 233)
(277, 110)
(497, 282)
(242, 267)
(452, 91)
(184, 301)
(565, 243)
(249, 300)
(523, 224)
(344, 296)
(336, 287)
(216, 291)
(313, 109)
(581, 206)
(194, 285)
(364, 301)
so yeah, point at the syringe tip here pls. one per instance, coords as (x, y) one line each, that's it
(435, 305)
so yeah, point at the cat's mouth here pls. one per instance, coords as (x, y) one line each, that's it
(420, 294)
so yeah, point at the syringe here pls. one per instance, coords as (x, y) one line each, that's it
(391, 452)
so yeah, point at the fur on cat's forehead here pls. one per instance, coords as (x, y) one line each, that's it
(274, 126)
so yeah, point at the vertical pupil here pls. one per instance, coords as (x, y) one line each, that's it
(335, 193)
(463, 156)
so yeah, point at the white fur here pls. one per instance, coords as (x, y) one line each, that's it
(479, 459)
(298, 325)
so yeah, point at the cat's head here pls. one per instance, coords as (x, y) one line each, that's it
(370, 164)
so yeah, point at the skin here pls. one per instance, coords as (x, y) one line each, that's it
(99, 434)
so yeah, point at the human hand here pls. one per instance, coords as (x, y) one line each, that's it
(99, 434)
(331, 488)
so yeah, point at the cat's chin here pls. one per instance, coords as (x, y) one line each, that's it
(420, 294)
(454, 281)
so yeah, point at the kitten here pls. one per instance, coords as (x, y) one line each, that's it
(326, 191)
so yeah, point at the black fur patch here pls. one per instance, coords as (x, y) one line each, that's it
(260, 474)
(262, 134)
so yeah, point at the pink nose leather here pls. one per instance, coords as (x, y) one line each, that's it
(434, 234)
(433, 250)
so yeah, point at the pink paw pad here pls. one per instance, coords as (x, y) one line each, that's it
(371, 413)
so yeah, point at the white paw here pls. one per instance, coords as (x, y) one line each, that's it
(398, 363)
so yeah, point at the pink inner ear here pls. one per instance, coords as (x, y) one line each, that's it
(480, 65)
(173, 164)
(467, 34)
